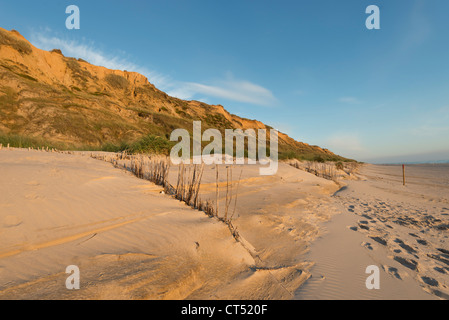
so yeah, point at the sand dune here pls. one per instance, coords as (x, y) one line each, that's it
(69, 209)
(132, 242)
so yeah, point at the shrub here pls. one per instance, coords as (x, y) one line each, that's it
(27, 77)
(339, 165)
(99, 94)
(116, 81)
(218, 120)
(19, 45)
(287, 155)
(58, 51)
(78, 72)
(110, 147)
(319, 159)
(151, 144)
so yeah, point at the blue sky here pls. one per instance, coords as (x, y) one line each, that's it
(308, 68)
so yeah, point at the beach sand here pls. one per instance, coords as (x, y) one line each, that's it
(401, 229)
(300, 235)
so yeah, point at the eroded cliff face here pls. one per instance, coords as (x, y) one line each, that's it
(47, 95)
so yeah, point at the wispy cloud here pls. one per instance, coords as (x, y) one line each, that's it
(229, 88)
(93, 55)
(350, 100)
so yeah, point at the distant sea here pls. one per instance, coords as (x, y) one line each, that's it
(418, 162)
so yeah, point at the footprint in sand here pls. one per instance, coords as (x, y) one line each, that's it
(430, 281)
(422, 242)
(392, 272)
(441, 270)
(443, 251)
(367, 245)
(408, 263)
(405, 246)
(362, 226)
(380, 240)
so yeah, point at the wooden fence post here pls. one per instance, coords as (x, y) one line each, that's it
(403, 174)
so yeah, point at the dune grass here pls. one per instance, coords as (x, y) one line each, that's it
(19, 45)
(155, 168)
(20, 141)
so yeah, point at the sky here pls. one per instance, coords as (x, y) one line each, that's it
(311, 69)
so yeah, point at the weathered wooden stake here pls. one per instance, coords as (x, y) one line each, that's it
(403, 174)
(217, 190)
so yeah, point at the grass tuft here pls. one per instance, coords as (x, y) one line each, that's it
(116, 81)
(19, 45)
